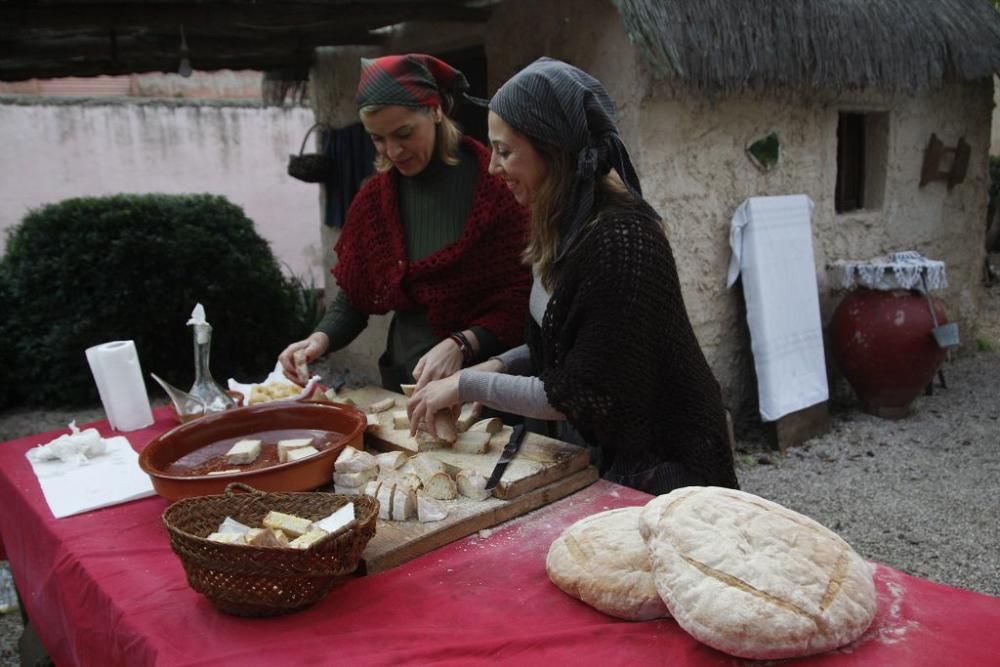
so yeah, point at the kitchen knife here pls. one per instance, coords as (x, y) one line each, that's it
(508, 453)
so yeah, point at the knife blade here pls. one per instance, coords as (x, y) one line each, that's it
(508, 453)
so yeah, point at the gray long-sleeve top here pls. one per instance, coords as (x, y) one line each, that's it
(513, 389)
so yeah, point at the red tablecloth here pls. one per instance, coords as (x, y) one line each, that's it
(104, 588)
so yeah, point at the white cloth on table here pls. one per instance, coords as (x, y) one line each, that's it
(897, 270)
(771, 242)
(72, 487)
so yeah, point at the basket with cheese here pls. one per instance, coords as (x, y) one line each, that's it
(264, 554)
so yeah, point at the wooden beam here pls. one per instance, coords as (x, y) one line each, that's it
(211, 17)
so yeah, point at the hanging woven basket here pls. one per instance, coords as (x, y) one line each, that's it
(310, 167)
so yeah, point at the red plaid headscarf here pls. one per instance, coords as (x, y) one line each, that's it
(410, 80)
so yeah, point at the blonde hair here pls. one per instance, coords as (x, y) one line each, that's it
(549, 206)
(447, 137)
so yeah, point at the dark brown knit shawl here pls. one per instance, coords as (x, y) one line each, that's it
(619, 358)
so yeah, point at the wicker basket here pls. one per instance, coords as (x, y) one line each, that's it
(266, 581)
(311, 167)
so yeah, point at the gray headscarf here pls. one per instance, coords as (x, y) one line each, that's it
(556, 103)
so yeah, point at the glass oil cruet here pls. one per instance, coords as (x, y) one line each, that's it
(205, 389)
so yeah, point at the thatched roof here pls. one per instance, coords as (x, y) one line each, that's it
(896, 45)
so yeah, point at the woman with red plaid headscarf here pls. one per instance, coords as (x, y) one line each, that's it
(432, 237)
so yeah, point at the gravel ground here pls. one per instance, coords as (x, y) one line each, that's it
(918, 494)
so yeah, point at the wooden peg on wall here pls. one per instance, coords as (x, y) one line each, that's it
(935, 153)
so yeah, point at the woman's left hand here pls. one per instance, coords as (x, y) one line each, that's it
(442, 360)
(433, 398)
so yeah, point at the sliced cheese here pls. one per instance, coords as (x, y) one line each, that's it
(441, 486)
(390, 460)
(231, 525)
(354, 460)
(289, 523)
(404, 505)
(400, 419)
(425, 466)
(265, 537)
(353, 478)
(286, 446)
(337, 520)
(382, 406)
(471, 484)
(491, 425)
(429, 509)
(300, 453)
(307, 540)
(384, 498)
(466, 418)
(243, 452)
(475, 442)
(346, 490)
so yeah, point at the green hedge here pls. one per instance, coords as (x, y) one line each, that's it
(91, 270)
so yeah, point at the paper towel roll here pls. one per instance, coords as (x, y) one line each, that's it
(116, 370)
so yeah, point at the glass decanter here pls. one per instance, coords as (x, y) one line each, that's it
(205, 388)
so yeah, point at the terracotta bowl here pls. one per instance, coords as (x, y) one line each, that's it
(341, 424)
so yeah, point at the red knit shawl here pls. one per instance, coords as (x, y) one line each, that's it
(477, 279)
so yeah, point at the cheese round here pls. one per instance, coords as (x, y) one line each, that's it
(752, 578)
(603, 561)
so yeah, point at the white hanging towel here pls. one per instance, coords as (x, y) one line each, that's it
(771, 241)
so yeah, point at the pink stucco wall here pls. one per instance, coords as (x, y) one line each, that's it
(56, 149)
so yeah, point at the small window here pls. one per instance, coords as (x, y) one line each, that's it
(862, 149)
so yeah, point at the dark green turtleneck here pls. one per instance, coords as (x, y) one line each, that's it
(433, 207)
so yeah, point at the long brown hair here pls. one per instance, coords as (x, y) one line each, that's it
(447, 137)
(549, 205)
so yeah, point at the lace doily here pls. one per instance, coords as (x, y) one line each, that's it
(897, 270)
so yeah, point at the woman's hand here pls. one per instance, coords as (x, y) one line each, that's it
(313, 348)
(442, 360)
(433, 398)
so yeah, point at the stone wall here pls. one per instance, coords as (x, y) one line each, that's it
(690, 154)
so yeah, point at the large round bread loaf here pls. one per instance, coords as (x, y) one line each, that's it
(752, 578)
(603, 561)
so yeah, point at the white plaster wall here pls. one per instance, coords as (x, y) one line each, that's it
(56, 150)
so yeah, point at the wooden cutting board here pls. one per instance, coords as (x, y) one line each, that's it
(540, 460)
(543, 471)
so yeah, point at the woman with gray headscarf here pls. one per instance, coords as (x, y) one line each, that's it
(610, 348)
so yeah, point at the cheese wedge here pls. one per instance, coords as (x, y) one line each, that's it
(472, 485)
(384, 498)
(354, 460)
(429, 509)
(227, 538)
(475, 442)
(491, 425)
(243, 452)
(407, 389)
(265, 537)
